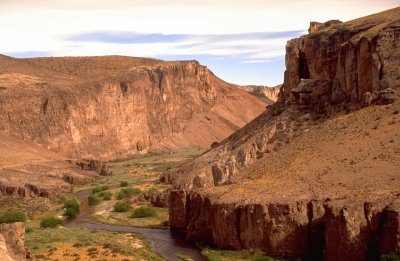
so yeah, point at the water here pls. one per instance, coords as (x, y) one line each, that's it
(162, 241)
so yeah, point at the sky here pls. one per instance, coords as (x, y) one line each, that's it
(241, 41)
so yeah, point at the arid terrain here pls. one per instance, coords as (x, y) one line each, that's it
(317, 174)
(123, 158)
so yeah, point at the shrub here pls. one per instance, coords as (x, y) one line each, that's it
(50, 222)
(127, 192)
(28, 230)
(71, 207)
(96, 190)
(390, 257)
(121, 207)
(143, 212)
(103, 188)
(104, 194)
(107, 197)
(12, 216)
(94, 200)
(151, 191)
(124, 183)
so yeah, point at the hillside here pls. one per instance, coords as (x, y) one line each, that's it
(317, 174)
(107, 107)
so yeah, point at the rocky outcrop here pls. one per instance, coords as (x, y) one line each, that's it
(316, 175)
(93, 165)
(104, 107)
(269, 93)
(315, 229)
(343, 62)
(12, 242)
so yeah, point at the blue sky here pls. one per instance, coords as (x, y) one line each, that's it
(242, 42)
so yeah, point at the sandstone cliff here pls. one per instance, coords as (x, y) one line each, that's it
(269, 93)
(12, 242)
(103, 107)
(315, 175)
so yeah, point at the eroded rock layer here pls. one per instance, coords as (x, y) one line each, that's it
(103, 107)
(317, 174)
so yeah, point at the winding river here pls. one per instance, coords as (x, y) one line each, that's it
(162, 241)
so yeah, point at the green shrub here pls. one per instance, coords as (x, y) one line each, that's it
(390, 257)
(12, 216)
(96, 190)
(151, 191)
(124, 183)
(104, 194)
(28, 230)
(72, 207)
(127, 192)
(94, 200)
(104, 187)
(107, 197)
(143, 212)
(121, 207)
(50, 222)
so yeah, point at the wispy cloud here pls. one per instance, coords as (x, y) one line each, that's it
(232, 37)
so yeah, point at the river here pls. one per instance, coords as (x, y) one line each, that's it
(162, 241)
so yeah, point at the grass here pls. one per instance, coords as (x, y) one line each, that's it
(143, 212)
(160, 220)
(68, 243)
(390, 257)
(12, 216)
(224, 255)
(184, 256)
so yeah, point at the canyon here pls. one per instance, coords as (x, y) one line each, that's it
(316, 175)
(62, 115)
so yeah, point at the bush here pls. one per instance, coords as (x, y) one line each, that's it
(96, 190)
(12, 216)
(143, 212)
(390, 257)
(94, 200)
(103, 188)
(127, 192)
(124, 183)
(104, 194)
(121, 207)
(50, 222)
(72, 207)
(107, 197)
(151, 191)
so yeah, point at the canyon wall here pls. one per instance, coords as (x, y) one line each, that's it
(344, 62)
(133, 108)
(314, 176)
(12, 242)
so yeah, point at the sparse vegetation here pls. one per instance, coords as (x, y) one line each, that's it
(144, 212)
(184, 256)
(127, 192)
(12, 216)
(50, 222)
(121, 207)
(390, 257)
(223, 255)
(124, 183)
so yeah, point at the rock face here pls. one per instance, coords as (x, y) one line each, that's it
(352, 59)
(308, 178)
(12, 242)
(270, 93)
(103, 107)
